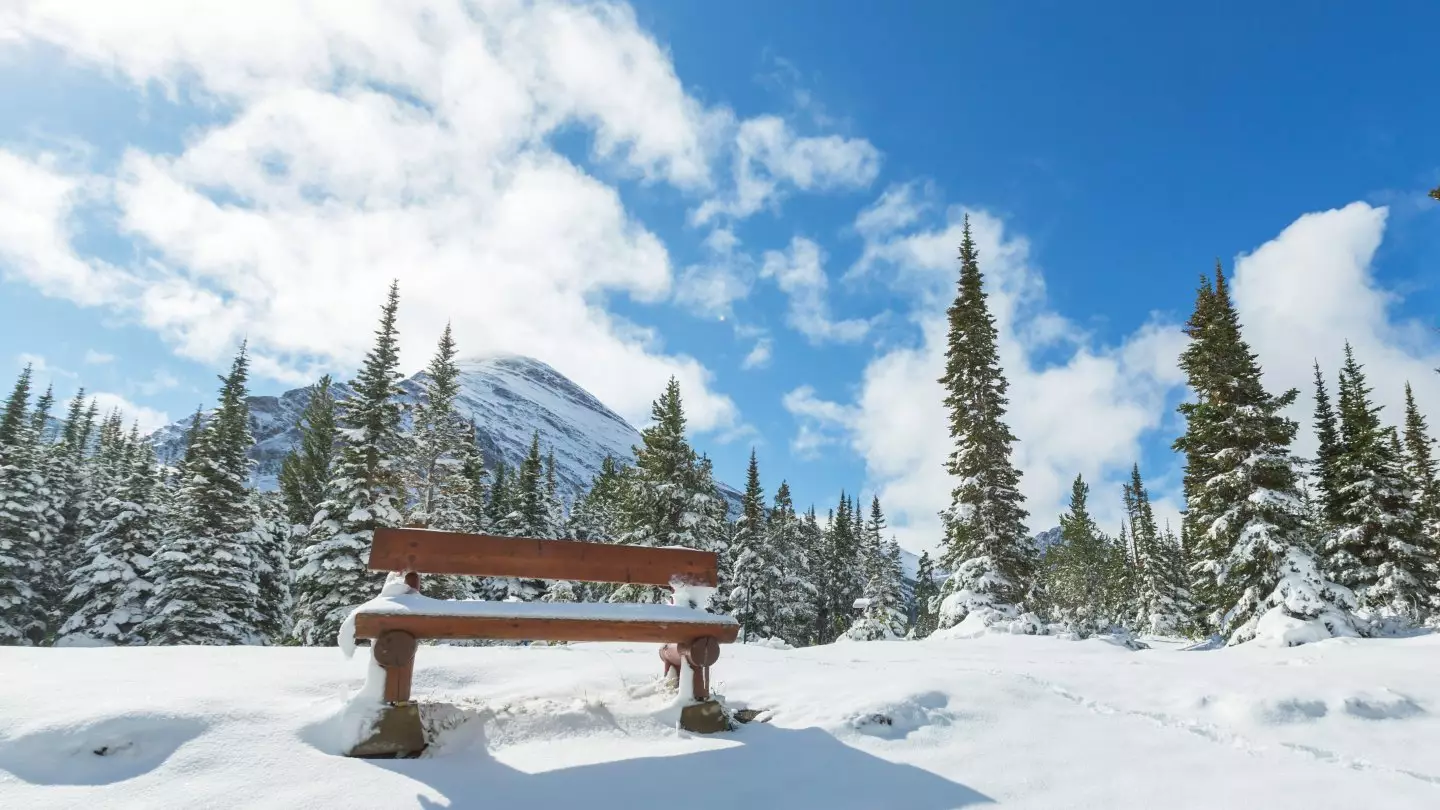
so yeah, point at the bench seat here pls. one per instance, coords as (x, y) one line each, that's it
(424, 617)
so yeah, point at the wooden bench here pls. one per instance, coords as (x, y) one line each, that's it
(397, 622)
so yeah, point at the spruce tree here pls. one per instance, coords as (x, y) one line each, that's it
(596, 516)
(1327, 435)
(271, 541)
(1243, 508)
(1378, 550)
(22, 608)
(498, 507)
(364, 493)
(1423, 472)
(64, 508)
(107, 602)
(813, 540)
(474, 493)
(927, 597)
(671, 499)
(755, 575)
(306, 469)
(794, 612)
(206, 583)
(1162, 598)
(1078, 565)
(986, 547)
(434, 477)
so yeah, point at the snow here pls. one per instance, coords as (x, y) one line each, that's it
(1024, 722)
(414, 604)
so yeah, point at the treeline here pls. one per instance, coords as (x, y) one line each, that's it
(100, 544)
(1270, 544)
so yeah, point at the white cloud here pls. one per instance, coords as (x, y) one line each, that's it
(769, 158)
(359, 142)
(98, 358)
(800, 274)
(759, 355)
(1086, 414)
(148, 419)
(1307, 291)
(711, 288)
(40, 365)
(161, 380)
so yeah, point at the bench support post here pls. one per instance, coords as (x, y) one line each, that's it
(395, 652)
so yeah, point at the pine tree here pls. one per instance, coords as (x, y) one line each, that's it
(755, 575)
(1243, 507)
(813, 542)
(22, 609)
(1379, 550)
(927, 597)
(596, 516)
(434, 474)
(1078, 564)
(271, 547)
(794, 611)
(108, 596)
(474, 495)
(499, 505)
(840, 579)
(671, 499)
(206, 583)
(306, 469)
(65, 507)
(364, 493)
(986, 547)
(883, 615)
(1327, 433)
(1424, 474)
(1163, 601)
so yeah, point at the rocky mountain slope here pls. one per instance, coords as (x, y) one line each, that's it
(510, 398)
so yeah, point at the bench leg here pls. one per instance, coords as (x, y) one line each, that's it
(395, 652)
(398, 731)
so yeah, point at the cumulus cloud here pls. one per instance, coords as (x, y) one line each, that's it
(799, 272)
(1085, 414)
(1303, 294)
(770, 158)
(759, 355)
(147, 419)
(351, 144)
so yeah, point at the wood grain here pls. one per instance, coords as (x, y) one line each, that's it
(435, 552)
(456, 627)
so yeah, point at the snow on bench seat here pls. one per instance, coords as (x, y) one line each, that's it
(425, 617)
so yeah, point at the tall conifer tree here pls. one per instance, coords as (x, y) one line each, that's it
(206, 575)
(986, 547)
(1242, 501)
(364, 493)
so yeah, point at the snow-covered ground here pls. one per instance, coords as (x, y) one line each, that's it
(1016, 721)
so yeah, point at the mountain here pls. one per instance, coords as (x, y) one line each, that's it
(510, 398)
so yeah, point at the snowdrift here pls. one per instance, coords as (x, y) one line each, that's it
(1017, 721)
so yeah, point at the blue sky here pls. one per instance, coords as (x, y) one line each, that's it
(629, 192)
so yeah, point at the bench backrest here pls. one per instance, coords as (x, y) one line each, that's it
(428, 551)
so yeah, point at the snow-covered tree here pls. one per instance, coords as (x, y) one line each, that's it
(306, 469)
(1163, 601)
(839, 578)
(1078, 567)
(986, 547)
(596, 515)
(671, 499)
(435, 474)
(1379, 549)
(206, 574)
(364, 493)
(1424, 476)
(22, 607)
(927, 598)
(754, 568)
(271, 546)
(107, 603)
(65, 507)
(1251, 562)
(794, 616)
(883, 615)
